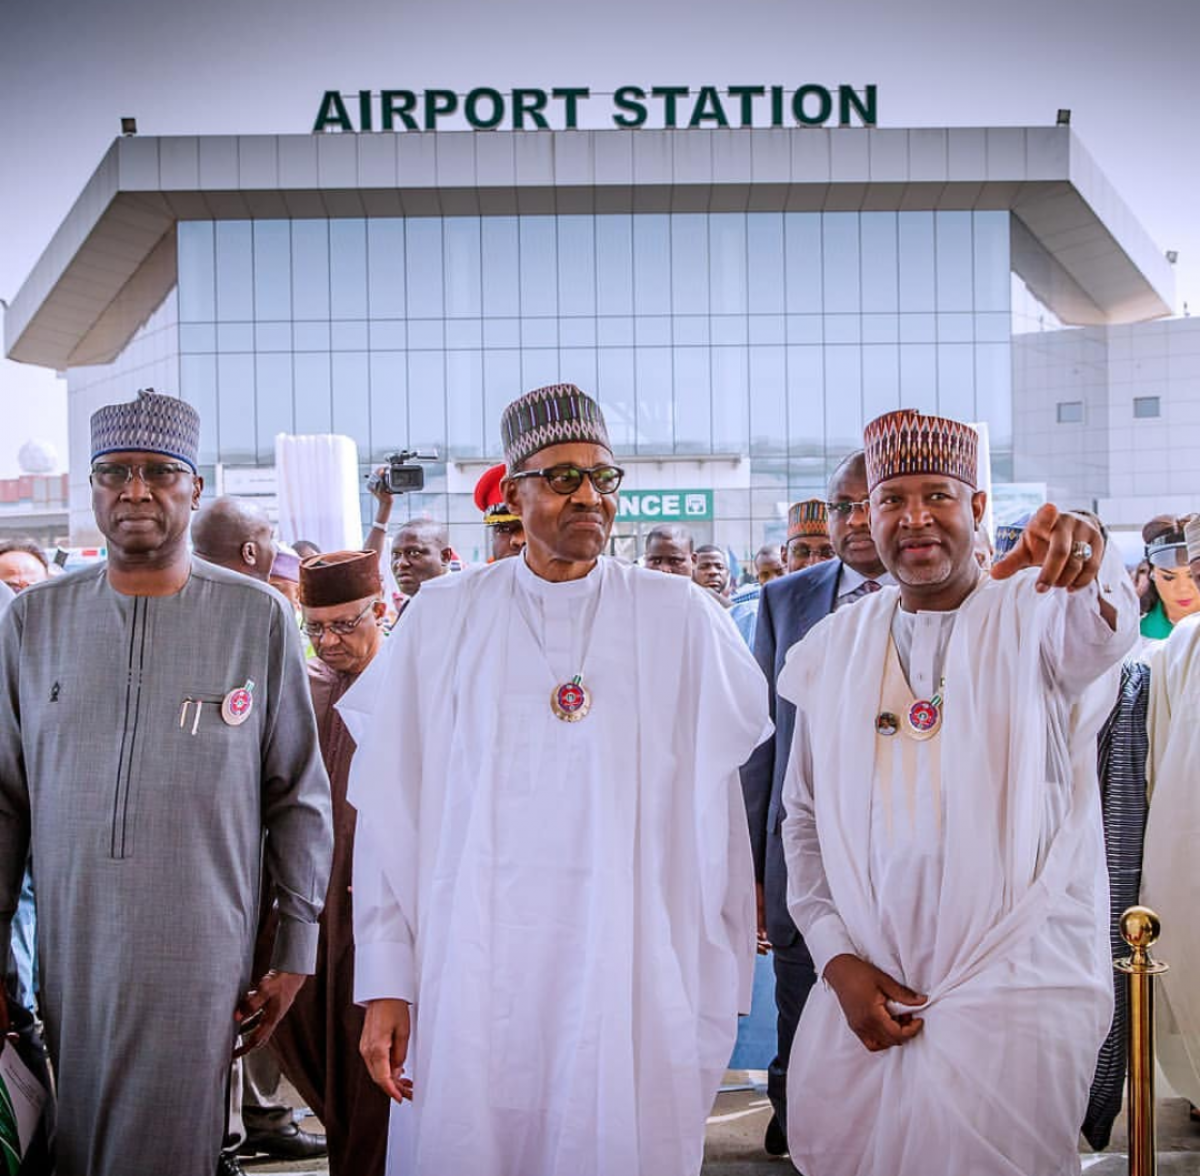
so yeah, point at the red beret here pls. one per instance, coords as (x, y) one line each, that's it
(487, 489)
(490, 499)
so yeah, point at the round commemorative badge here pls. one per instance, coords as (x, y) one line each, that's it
(924, 718)
(571, 701)
(886, 723)
(237, 704)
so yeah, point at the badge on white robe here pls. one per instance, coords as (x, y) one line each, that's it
(571, 701)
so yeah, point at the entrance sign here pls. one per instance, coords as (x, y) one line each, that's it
(630, 107)
(665, 506)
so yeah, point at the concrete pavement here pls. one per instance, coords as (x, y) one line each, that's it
(739, 1119)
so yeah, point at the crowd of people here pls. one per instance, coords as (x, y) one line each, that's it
(482, 867)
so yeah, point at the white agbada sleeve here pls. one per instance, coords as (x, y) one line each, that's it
(1077, 647)
(732, 719)
(809, 900)
(384, 952)
(387, 713)
(384, 958)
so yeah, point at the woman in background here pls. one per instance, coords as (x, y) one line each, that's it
(1172, 594)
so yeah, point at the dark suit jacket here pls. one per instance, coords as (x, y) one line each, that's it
(787, 609)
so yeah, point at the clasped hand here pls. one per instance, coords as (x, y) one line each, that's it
(863, 991)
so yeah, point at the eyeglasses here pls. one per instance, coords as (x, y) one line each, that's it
(803, 551)
(342, 628)
(846, 509)
(566, 479)
(116, 475)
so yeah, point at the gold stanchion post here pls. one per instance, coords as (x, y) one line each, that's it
(1140, 928)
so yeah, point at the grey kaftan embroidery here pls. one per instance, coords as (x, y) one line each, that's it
(150, 819)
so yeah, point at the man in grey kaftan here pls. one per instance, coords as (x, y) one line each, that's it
(147, 813)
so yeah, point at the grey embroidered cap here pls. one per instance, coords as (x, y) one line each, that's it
(150, 424)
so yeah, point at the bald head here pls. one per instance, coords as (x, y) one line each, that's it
(429, 530)
(235, 534)
(420, 552)
(852, 468)
(672, 533)
(768, 563)
(849, 520)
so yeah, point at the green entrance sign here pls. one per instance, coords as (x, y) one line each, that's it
(665, 506)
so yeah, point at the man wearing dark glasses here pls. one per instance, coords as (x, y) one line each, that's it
(788, 608)
(553, 892)
(147, 766)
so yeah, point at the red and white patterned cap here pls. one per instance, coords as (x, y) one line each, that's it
(808, 518)
(908, 442)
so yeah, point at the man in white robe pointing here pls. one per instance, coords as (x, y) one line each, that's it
(553, 888)
(943, 837)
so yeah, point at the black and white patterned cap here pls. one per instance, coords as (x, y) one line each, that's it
(150, 424)
(558, 414)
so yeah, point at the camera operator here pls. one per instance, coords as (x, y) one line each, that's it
(377, 484)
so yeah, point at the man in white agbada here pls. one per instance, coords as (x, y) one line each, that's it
(1170, 877)
(553, 889)
(943, 835)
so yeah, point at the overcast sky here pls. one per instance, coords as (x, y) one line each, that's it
(69, 70)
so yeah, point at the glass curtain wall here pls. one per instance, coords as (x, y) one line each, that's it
(769, 335)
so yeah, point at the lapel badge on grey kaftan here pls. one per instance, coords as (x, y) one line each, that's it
(237, 704)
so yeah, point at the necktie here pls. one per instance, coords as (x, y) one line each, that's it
(864, 589)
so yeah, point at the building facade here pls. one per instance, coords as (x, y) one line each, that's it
(741, 302)
(1110, 416)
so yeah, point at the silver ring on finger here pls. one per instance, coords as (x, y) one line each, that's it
(1081, 551)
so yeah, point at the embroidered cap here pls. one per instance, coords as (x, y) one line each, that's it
(555, 415)
(1191, 532)
(908, 442)
(339, 577)
(807, 518)
(1009, 535)
(150, 424)
(490, 500)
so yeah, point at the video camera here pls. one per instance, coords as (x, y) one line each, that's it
(402, 476)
